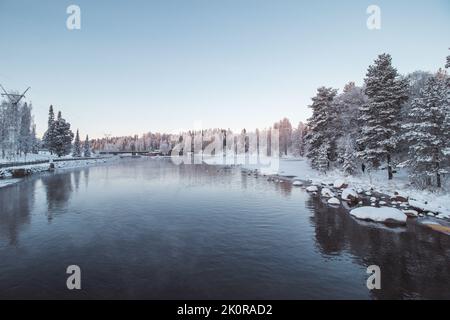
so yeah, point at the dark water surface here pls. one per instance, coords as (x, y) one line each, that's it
(148, 229)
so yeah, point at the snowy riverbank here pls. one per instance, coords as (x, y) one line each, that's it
(376, 182)
(377, 199)
(7, 173)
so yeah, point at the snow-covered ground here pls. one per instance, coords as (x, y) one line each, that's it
(32, 157)
(6, 175)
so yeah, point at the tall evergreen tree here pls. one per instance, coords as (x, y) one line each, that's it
(63, 136)
(381, 114)
(49, 135)
(321, 136)
(426, 132)
(34, 140)
(87, 148)
(447, 65)
(77, 146)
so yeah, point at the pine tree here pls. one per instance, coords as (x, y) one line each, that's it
(320, 137)
(62, 137)
(77, 146)
(349, 160)
(447, 65)
(447, 111)
(87, 148)
(34, 140)
(49, 135)
(426, 132)
(322, 162)
(380, 116)
(347, 106)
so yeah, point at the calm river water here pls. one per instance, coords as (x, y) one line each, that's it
(148, 229)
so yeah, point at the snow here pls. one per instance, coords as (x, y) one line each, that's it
(411, 212)
(312, 189)
(339, 183)
(297, 183)
(326, 192)
(382, 214)
(349, 193)
(334, 201)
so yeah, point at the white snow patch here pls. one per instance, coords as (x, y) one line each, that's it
(339, 183)
(334, 201)
(382, 214)
(327, 193)
(312, 189)
(349, 193)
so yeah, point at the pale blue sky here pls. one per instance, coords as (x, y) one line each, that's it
(139, 66)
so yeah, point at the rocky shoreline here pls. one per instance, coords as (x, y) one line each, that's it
(340, 193)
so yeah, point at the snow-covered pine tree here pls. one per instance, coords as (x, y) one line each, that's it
(426, 133)
(77, 146)
(34, 140)
(322, 162)
(347, 106)
(380, 116)
(321, 136)
(49, 135)
(87, 148)
(446, 128)
(447, 65)
(62, 137)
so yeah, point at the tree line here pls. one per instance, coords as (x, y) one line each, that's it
(391, 121)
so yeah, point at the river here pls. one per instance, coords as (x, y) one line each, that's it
(149, 229)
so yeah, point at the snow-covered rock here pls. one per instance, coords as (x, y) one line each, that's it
(325, 192)
(350, 195)
(373, 199)
(359, 190)
(334, 201)
(411, 213)
(297, 183)
(399, 197)
(382, 203)
(340, 184)
(312, 189)
(383, 214)
(368, 193)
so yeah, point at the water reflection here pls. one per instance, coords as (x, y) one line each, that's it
(76, 179)
(58, 188)
(16, 202)
(414, 262)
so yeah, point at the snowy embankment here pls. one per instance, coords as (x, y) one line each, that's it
(394, 200)
(376, 183)
(10, 175)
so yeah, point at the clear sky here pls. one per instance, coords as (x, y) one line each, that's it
(139, 66)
